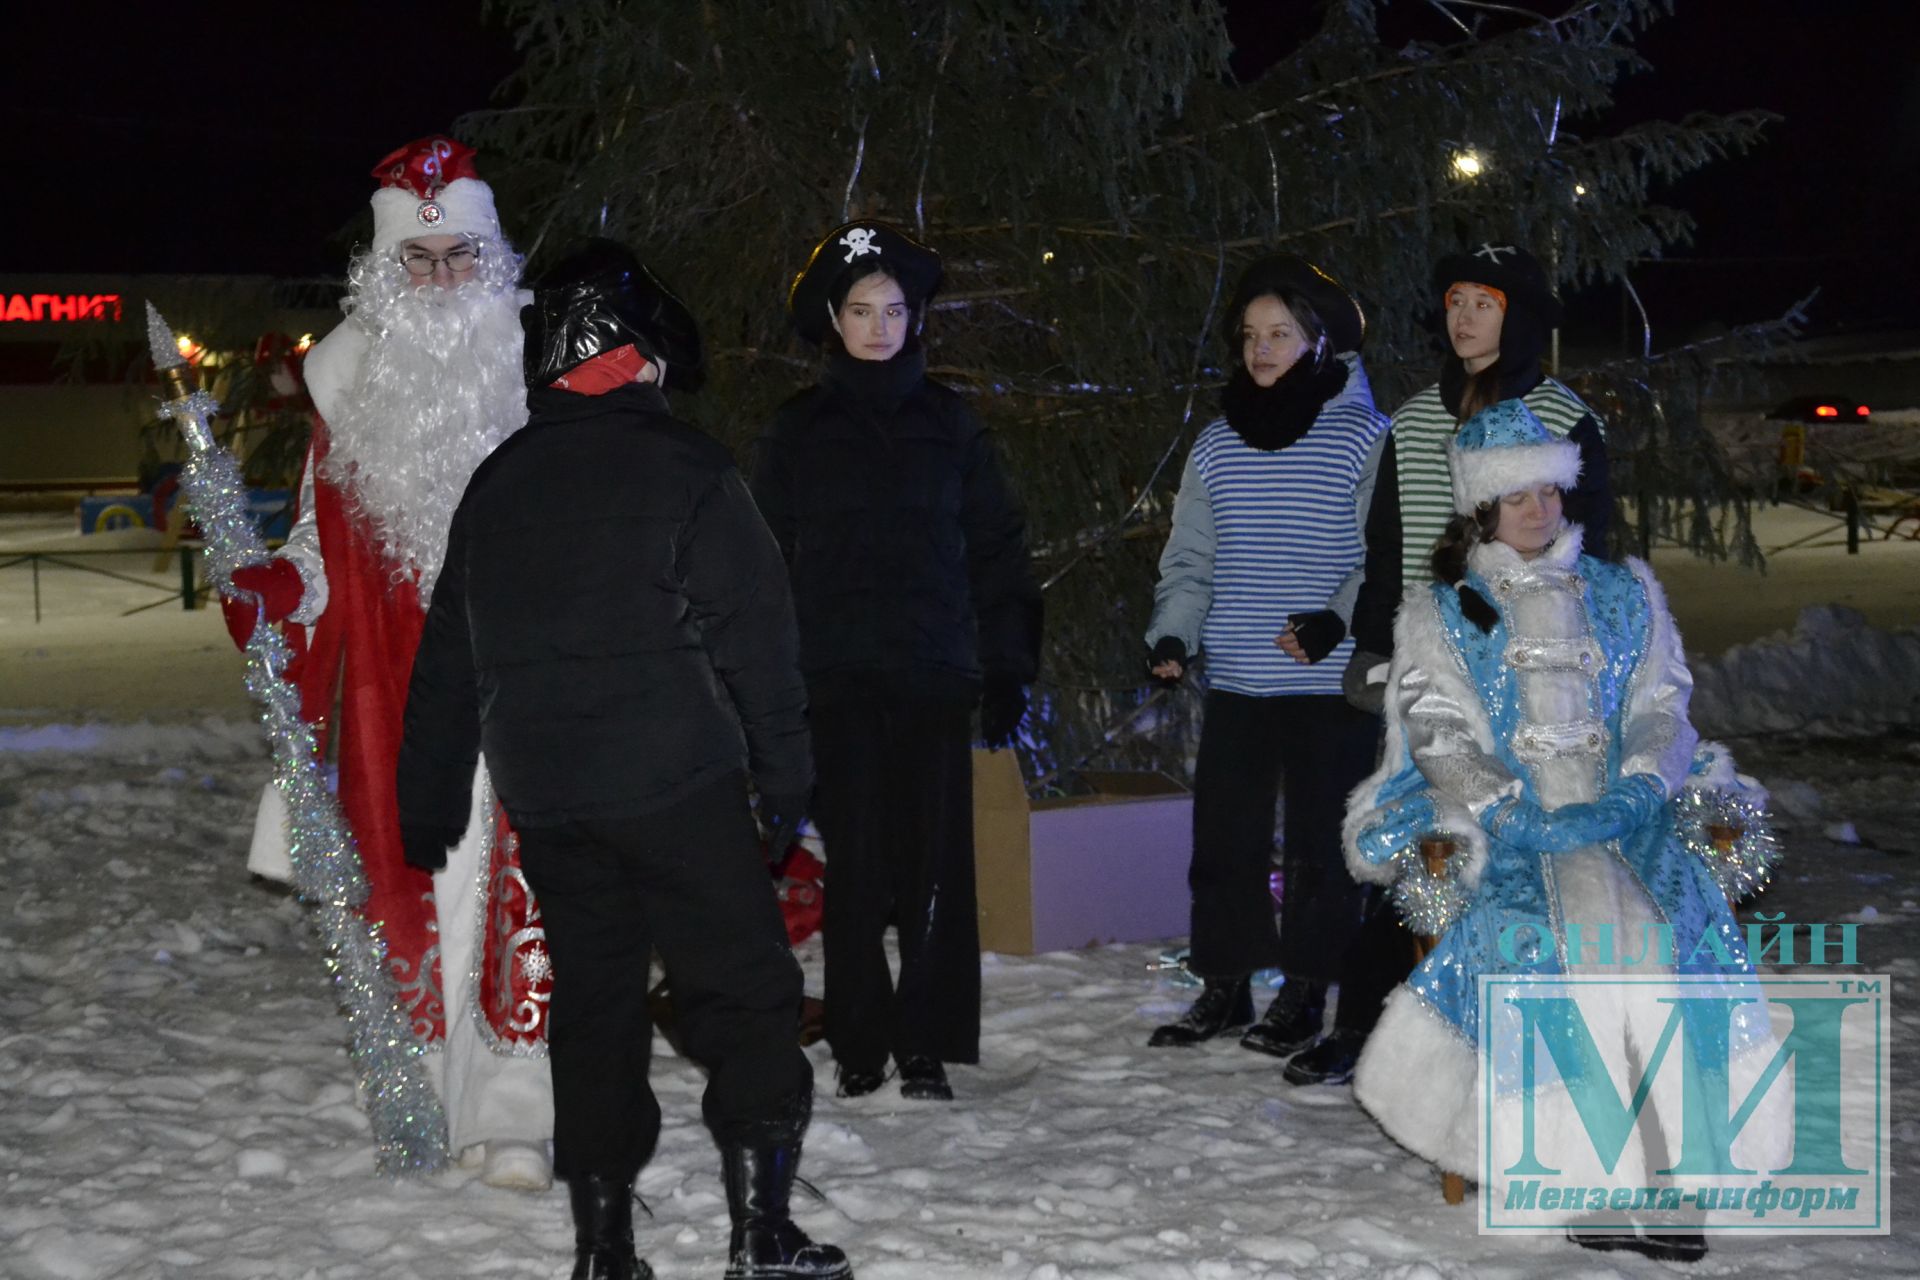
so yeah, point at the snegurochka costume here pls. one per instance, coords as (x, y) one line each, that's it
(1548, 748)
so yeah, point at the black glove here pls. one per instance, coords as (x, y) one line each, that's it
(783, 817)
(1168, 649)
(1003, 705)
(426, 847)
(1319, 632)
(1371, 698)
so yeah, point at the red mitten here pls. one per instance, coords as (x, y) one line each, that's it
(279, 588)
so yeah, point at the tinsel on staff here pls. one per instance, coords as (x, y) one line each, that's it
(408, 1122)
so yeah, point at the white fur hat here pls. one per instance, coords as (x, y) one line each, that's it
(430, 188)
(1503, 449)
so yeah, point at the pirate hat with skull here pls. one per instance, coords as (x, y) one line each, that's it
(865, 242)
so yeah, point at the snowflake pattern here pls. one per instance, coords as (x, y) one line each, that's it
(535, 965)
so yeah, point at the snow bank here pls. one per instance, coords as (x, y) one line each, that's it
(1833, 675)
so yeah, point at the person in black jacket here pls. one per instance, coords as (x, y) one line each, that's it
(911, 582)
(613, 625)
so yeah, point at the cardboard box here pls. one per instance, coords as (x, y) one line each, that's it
(1079, 871)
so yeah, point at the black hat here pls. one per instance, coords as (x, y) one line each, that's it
(600, 298)
(848, 247)
(1286, 274)
(1508, 268)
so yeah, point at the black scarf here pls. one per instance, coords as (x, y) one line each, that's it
(880, 385)
(1270, 418)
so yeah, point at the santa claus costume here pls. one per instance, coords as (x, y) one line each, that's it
(412, 392)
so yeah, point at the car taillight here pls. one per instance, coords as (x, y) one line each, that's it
(1825, 411)
(1862, 410)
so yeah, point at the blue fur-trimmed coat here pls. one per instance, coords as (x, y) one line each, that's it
(1581, 684)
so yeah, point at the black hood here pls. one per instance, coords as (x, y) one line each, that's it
(600, 298)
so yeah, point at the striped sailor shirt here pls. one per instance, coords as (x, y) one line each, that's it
(1285, 537)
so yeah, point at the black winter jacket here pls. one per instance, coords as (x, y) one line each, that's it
(908, 549)
(612, 625)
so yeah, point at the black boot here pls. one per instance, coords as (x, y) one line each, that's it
(1331, 1061)
(1224, 1003)
(1292, 1020)
(603, 1230)
(855, 1083)
(923, 1078)
(1661, 1248)
(765, 1242)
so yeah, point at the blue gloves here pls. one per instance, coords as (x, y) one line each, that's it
(1638, 800)
(1628, 807)
(1400, 824)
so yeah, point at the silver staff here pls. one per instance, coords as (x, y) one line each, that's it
(408, 1122)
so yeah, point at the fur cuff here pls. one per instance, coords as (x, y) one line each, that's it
(1487, 475)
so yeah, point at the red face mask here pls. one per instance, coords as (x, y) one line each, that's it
(603, 373)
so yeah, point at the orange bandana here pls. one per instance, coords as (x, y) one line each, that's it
(1499, 295)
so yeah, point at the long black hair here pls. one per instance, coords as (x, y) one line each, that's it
(1449, 563)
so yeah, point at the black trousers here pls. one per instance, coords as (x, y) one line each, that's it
(1323, 748)
(691, 881)
(895, 806)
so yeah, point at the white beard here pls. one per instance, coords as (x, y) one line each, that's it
(437, 391)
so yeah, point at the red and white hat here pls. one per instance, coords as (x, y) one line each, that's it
(430, 188)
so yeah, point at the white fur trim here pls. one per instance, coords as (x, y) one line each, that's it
(1486, 475)
(268, 854)
(465, 207)
(332, 365)
(1420, 1079)
(1492, 560)
(1719, 775)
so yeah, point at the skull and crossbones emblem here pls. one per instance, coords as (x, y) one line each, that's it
(1492, 252)
(859, 242)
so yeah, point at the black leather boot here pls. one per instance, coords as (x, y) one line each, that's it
(603, 1230)
(765, 1241)
(1683, 1248)
(1330, 1060)
(1292, 1020)
(923, 1077)
(856, 1083)
(1224, 1003)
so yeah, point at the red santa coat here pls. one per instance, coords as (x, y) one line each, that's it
(352, 680)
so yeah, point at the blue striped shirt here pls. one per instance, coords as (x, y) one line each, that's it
(1287, 535)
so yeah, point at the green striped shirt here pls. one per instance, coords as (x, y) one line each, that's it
(1421, 430)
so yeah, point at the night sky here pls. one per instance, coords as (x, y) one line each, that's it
(284, 109)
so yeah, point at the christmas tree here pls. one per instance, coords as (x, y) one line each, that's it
(1095, 175)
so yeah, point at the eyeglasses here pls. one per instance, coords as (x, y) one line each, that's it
(421, 263)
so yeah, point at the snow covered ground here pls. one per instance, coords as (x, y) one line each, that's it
(175, 1098)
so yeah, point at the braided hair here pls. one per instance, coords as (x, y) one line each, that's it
(1449, 562)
